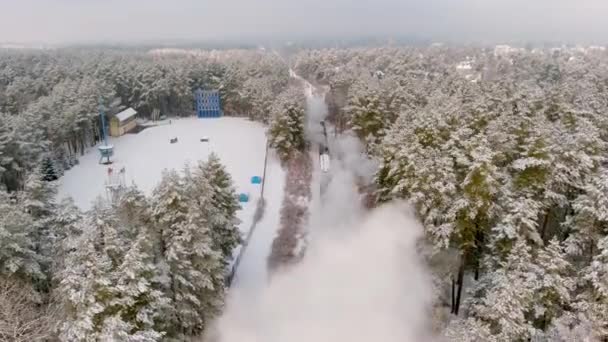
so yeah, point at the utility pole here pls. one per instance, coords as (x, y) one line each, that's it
(264, 172)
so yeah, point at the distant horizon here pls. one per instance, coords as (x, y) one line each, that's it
(255, 42)
(75, 22)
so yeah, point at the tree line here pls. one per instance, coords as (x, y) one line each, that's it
(146, 268)
(503, 156)
(49, 100)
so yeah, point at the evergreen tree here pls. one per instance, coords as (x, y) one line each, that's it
(5, 137)
(67, 223)
(194, 268)
(48, 170)
(223, 205)
(38, 200)
(590, 218)
(508, 293)
(555, 284)
(286, 131)
(9, 150)
(593, 303)
(137, 302)
(470, 329)
(18, 253)
(369, 115)
(119, 295)
(86, 290)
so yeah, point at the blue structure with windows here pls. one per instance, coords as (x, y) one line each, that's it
(207, 103)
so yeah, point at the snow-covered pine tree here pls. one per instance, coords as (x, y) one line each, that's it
(112, 236)
(138, 305)
(505, 295)
(67, 225)
(519, 143)
(5, 159)
(369, 116)
(286, 131)
(569, 328)
(9, 150)
(38, 200)
(594, 301)
(468, 330)
(555, 284)
(134, 213)
(223, 205)
(587, 320)
(194, 267)
(474, 211)
(258, 98)
(417, 165)
(86, 289)
(48, 171)
(18, 252)
(590, 218)
(26, 146)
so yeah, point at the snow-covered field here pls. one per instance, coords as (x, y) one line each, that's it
(240, 145)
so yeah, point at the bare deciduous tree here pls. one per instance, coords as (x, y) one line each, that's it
(22, 317)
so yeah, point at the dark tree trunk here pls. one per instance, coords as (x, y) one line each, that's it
(544, 226)
(460, 282)
(453, 306)
(72, 147)
(480, 238)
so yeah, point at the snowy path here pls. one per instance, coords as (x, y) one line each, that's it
(251, 278)
(251, 275)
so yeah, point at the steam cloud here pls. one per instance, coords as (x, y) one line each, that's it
(361, 279)
(365, 283)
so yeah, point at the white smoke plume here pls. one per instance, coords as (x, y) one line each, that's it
(349, 150)
(361, 278)
(363, 284)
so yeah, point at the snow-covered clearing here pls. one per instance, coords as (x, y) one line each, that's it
(239, 143)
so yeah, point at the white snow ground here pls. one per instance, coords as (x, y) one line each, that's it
(252, 275)
(239, 143)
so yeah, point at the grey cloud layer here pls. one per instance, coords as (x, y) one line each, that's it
(133, 20)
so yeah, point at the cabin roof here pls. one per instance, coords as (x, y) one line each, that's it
(126, 114)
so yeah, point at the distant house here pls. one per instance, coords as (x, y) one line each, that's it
(123, 122)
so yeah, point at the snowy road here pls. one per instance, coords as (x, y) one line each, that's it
(251, 279)
(251, 275)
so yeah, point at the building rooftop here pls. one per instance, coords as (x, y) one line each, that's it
(126, 114)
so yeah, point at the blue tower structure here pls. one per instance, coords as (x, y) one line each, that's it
(207, 103)
(106, 150)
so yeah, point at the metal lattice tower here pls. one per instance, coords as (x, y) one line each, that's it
(115, 184)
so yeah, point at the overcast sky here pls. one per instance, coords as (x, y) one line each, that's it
(69, 21)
